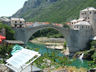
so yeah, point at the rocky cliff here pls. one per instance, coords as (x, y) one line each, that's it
(34, 6)
(53, 10)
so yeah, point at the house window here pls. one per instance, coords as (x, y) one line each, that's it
(20, 21)
(15, 21)
(20, 26)
(15, 25)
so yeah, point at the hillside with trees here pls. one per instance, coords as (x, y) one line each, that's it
(58, 11)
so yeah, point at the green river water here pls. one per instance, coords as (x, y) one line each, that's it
(42, 49)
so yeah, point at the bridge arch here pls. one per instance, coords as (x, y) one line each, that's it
(47, 32)
(24, 34)
(76, 39)
(52, 27)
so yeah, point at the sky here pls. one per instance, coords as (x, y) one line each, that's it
(9, 7)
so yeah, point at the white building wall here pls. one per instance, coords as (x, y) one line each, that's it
(90, 16)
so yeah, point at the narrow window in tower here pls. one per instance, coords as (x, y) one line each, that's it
(15, 21)
(15, 25)
(20, 22)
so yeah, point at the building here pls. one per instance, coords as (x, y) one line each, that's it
(89, 14)
(81, 25)
(86, 20)
(77, 36)
(17, 22)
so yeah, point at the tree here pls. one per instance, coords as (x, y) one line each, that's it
(5, 52)
(9, 31)
(93, 43)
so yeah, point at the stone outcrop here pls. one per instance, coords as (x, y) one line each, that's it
(3, 68)
(33, 4)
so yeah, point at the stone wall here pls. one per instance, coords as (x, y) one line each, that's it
(78, 40)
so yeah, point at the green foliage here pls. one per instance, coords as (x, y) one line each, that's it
(63, 61)
(94, 57)
(47, 33)
(9, 31)
(66, 26)
(5, 51)
(1, 62)
(65, 44)
(93, 44)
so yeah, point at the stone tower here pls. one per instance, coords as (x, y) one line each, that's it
(89, 15)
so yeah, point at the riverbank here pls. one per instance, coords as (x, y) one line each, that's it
(66, 69)
(53, 43)
(52, 59)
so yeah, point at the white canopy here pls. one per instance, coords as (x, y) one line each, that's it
(22, 59)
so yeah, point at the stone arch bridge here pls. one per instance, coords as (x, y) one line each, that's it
(76, 39)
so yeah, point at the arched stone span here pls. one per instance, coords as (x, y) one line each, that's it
(76, 39)
(24, 34)
(59, 29)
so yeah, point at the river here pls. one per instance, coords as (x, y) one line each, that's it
(42, 49)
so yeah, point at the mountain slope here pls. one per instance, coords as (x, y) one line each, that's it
(53, 10)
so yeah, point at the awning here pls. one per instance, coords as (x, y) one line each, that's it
(16, 49)
(2, 38)
(22, 59)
